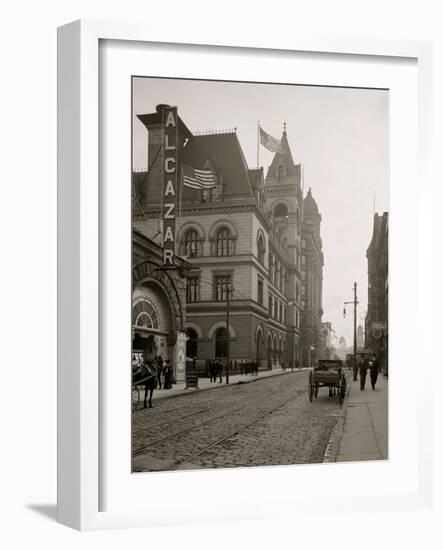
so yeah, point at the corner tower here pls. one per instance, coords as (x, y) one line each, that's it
(284, 200)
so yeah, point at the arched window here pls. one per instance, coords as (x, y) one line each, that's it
(191, 343)
(221, 344)
(144, 314)
(223, 242)
(192, 244)
(261, 249)
(281, 210)
(281, 171)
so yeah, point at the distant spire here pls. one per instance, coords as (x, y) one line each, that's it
(284, 126)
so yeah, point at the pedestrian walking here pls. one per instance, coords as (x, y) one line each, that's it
(213, 371)
(363, 372)
(168, 374)
(373, 371)
(158, 362)
(356, 367)
(219, 371)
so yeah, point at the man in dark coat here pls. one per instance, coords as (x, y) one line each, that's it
(373, 371)
(213, 371)
(168, 375)
(356, 367)
(158, 362)
(363, 372)
(220, 371)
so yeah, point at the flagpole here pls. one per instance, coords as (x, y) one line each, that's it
(258, 144)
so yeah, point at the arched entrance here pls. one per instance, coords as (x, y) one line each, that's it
(191, 343)
(158, 323)
(275, 349)
(152, 323)
(221, 342)
(269, 351)
(260, 347)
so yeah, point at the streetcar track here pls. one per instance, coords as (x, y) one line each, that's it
(140, 450)
(171, 420)
(187, 406)
(236, 431)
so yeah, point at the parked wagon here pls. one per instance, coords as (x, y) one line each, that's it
(329, 373)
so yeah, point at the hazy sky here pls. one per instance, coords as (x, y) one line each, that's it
(339, 135)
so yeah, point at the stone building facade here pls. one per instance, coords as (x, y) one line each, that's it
(243, 236)
(311, 282)
(377, 329)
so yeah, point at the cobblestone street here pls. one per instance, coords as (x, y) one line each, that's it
(265, 422)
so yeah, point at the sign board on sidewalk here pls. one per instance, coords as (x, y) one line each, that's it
(191, 374)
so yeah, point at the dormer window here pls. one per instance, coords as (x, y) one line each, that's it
(281, 171)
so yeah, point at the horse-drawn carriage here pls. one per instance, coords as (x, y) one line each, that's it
(329, 373)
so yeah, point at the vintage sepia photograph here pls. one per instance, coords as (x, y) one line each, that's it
(260, 216)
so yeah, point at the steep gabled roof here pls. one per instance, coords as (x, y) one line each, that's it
(226, 156)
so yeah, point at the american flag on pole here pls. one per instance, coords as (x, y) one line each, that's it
(271, 143)
(199, 179)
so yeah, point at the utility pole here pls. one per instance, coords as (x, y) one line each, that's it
(355, 323)
(355, 302)
(228, 292)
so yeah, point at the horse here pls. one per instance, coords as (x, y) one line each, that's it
(146, 375)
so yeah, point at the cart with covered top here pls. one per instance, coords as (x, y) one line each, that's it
(329, 373)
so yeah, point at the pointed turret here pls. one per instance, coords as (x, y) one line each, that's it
(310, 208)
(282, 165)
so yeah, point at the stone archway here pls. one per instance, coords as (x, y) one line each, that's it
(152, 321)
(260, 352)
(269, 347)
(148, 270)
(158, 318)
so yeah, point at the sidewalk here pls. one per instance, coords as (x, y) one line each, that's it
(363, 433)
(206, 384)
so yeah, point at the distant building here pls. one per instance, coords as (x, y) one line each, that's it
(328, 347)
(360, 337)
(377, 329)
(311, 282)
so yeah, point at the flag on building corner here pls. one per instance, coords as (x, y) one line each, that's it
(270, 143)
(199, 179)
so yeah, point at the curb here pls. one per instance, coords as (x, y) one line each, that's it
(331, 450)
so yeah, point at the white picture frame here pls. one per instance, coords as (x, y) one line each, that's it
(80, 206)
